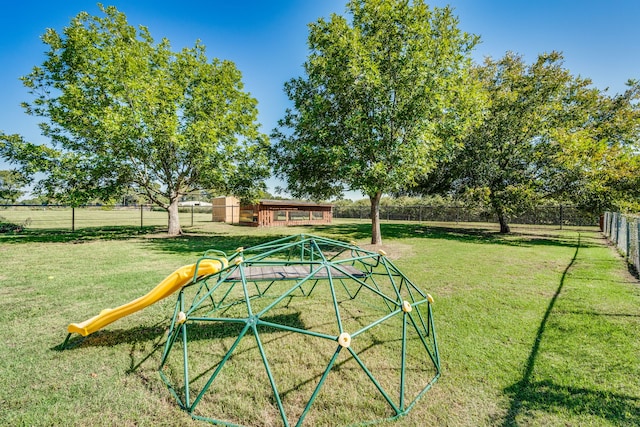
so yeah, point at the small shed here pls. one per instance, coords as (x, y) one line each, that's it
(225, 209)
(272, 213)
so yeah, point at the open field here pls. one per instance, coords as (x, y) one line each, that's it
(536, 328)
(64, 218)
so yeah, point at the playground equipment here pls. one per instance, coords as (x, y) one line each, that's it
(301, 301)
(175, 281)
(292, 328)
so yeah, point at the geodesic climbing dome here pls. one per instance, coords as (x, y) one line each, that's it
(295, 328)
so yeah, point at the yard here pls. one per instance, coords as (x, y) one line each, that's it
(535, 328)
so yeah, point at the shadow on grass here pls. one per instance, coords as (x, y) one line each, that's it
(617, 408)
(198, 243)
(545, 395)
(468, 233)
(52, 235)
(112, 337)
(196, 331)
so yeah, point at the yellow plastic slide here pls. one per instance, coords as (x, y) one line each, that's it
(171, 284)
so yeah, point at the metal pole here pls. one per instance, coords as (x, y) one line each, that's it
(628, 236)
(192, 215)
(73, 219)
(141, 208)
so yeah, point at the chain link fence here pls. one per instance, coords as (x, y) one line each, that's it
(543, 215)
(73, 218)
(60, 216)
(623, 231)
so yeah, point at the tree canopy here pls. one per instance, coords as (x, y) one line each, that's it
(545, 134)
(11, 186)
(124, 111)
(384, 96)
(598, 165)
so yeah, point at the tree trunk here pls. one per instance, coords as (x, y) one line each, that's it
(376, 237)
(174, 218)
(504, 227)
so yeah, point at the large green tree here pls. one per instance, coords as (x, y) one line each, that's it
(122, 110)
(598, 164)
(12, 185)
(507, 159)
(385, 95)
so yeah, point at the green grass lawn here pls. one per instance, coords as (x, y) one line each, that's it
(536, 328)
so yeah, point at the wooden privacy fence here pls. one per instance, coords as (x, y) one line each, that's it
(624, 232)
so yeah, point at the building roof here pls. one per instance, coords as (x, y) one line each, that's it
(266, 202)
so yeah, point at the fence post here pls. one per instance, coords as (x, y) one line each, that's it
(73, 219)
(611, 217)
(561, 216)
(141, 209)
(637, 260)
(628, 235)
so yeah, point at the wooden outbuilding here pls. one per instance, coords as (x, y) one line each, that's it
(272, 213)
(225, 209)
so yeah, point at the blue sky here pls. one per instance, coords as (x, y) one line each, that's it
(267, 39)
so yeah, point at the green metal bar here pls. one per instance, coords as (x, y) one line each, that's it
(424, 390)
(261, 293)
(391, 265)
(287, 293)
(215, 373)
(222, 279)
(339, 253)
(185, 355)
(403, 358)
(270, 249)
(212, 421)
(374, 381)
(319, 386)
(377, 291)
(218, 319)
(171, 336)
(273, 243)
(433, 356)
(335, 300)
(214, 251)
(347, 289)
(301, 331)
(168, 345)
(172, 391)
(226, 294)
(377, 322)
(393, 282)
(205, 284)
(197, 267)
(425, 326)
(315, 244)
(245, 290)
(435, 341)
(223, 308)
(276, 395)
